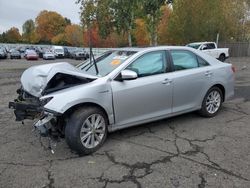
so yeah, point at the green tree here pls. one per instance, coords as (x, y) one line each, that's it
(67, 21)
(110, 15)
(151, 11)
(125, 14)
(28, 28)
(200, 20)
(3, 37)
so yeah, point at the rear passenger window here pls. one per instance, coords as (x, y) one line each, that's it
(211, 46)
(183, 59)
(202, 62)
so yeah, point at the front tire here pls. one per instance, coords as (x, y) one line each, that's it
(211, 103)
(86, 130)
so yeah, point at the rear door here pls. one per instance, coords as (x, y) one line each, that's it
(191, 77)
(211, 50)
(148, 96)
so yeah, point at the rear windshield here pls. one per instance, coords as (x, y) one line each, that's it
(106, 63)
(195, 46)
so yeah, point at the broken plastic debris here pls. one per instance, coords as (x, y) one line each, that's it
(244, 67)
(91, 162)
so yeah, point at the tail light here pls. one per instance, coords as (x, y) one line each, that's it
(233, 69)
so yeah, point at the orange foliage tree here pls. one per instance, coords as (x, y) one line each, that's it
(13, 35)
(74, 35)
(49, 24)
(93, 34)
(141, 33)
(163, 37)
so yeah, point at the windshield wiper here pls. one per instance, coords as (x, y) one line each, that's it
(91, 55)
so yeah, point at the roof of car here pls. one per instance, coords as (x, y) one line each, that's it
(137, 49)
(198, 43)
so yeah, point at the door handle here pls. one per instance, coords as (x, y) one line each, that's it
(166, 81)
(208, 73)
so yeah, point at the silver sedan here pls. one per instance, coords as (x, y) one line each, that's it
(119, 89)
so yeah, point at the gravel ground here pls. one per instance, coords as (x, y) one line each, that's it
(185, 151)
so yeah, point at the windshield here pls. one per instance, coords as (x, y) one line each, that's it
(106, 63)
(58, 50)
(195, 46)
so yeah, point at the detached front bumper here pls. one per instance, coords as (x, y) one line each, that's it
(47, 120)
(23, 110)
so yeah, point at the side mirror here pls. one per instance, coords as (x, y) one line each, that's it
(128, 75)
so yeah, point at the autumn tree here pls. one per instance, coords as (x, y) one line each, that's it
(74, 35)
(49, 24)
(59, 39)
(141, 34)
(91, 35)
(110, 15)
(163, 35)
(13, 35)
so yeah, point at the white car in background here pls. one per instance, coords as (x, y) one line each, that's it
(211, 49)
(48, 55)
(58, 51)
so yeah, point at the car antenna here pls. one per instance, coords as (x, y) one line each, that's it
(91, 55)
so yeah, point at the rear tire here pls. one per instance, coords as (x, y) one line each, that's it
(86, 130)
(211, 103)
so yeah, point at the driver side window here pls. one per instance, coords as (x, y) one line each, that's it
(149, 64)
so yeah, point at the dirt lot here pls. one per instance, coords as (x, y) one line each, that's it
(185, 151)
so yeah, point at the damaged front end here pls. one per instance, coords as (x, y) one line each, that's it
(29, 107)
(39, 81)
(26, 106)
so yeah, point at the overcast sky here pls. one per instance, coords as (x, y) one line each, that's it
(16, 12)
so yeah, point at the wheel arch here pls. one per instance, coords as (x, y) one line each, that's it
(222, 88)
(223, 54)
(73, 108)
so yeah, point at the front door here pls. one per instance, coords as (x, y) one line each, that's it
(149, 96)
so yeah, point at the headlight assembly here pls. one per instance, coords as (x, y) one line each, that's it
(45, 101)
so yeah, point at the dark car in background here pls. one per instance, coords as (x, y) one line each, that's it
(39, 52)
(71, 51)
(3, 53)
(80, 54)
(15, 54)
(66, 52)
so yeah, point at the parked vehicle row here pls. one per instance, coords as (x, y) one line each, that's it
(47, 53)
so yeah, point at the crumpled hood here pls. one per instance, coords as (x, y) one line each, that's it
(35, 79)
